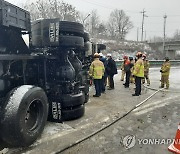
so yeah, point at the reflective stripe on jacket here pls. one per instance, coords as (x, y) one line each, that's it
(96, 70)
(165, 68)
(139, 68)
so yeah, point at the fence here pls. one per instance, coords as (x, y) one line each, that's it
(153, 63)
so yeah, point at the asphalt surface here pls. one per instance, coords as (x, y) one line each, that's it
(155, 120)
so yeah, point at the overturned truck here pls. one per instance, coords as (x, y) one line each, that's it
(46, 81)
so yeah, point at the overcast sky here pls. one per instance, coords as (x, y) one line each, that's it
(155, 10)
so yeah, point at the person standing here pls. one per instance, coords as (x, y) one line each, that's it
(122, 68)
(127, 68)
(165, 70)
(138, 73)
(111, 71)
(146, 70)
(96, 72)
(132, 68)
(104, 78)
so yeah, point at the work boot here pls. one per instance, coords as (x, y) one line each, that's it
(135, 95)
(162, 86)
(96, 95)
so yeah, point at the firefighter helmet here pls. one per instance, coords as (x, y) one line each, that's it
(96, 55)
(139, 54)
(125, 57)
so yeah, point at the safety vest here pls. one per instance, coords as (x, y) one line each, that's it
(96, 70)
(166, 68)
(139, 68)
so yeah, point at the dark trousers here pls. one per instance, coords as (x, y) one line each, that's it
(98, 86)
(111, 81)
(103, 83)
(128, 74)
(138, 85)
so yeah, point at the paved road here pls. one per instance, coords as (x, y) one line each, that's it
(156, 119)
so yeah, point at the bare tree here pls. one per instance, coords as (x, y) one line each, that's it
(94, 23)
(119, 24)
(52, 9)
(176, 35)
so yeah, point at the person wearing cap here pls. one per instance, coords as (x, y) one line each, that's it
(104, 78)
(165, 70)
(111, 70)
(96, 72)
(138, 73)
(146, 70)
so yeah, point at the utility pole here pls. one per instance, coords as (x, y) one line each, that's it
(55, 3)
(137, 34)
(144, 15)
(165, 16)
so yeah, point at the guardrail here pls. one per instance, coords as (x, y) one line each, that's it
(153, 62)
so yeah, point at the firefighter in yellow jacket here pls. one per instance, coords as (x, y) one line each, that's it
(138, 73)
(146, 70)
(165, 70)
(96, 71)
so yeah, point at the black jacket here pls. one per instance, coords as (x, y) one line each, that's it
(111, 68)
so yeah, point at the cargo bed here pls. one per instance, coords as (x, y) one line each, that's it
(13, 16)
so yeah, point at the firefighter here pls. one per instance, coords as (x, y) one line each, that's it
(138, 73)
(96, 72)
(132, 68)
(122, 68)
(104, 78)
(165, 70)
(146, 70)
(127, 68)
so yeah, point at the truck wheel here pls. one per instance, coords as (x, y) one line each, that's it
(71, 41)
(24, 115)
(86, 37)
(74, 113)
(86, 97)
(73, 27)
(69, 100)
(86, 46)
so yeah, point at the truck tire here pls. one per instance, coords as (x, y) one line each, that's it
(70, 100)
(86, 37)
(73, 113)
(71, 41)
(72, 27)
(86, 97)
(86, 46)
(24, 116)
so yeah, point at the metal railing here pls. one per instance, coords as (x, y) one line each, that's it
(153, 62)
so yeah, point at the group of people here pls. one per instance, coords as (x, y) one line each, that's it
(102, 71)
(137, 71)
(134, 70)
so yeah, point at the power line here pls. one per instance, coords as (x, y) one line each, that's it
(133, 11)
(112, 8)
